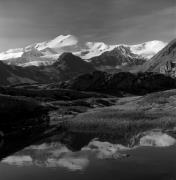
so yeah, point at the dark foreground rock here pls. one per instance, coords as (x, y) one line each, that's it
(21, 112)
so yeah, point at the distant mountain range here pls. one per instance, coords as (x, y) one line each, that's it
(62, 59)
(46, 53)
(66, 67)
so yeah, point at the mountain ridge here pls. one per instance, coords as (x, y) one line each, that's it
(66, 67)
(48, 52)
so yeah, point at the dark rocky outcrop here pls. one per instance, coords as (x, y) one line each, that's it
(121, 83)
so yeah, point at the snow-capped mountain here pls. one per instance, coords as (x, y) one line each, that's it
(57, 45)
(46, 53)
(148, 49)
(43, 53)
(93, 49)
(68, 65)
(119, 58)
(123, 57)
(145, 50)
(11, 54)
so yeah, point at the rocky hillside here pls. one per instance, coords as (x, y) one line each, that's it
(163, 62)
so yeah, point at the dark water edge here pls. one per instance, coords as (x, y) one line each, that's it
(18, 140)
(143, 163)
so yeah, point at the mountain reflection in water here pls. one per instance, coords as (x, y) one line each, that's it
(73, 156)
(48, 155)
(56, 154)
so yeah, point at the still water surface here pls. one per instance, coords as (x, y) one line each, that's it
(53, 159)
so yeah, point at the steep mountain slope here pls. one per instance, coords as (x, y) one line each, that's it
(69, 66)
(71, 62)
(163, 62)
(46, 53)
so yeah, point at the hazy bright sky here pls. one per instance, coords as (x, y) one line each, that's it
(23, 22)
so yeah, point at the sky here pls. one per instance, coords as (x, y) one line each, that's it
(23, 22)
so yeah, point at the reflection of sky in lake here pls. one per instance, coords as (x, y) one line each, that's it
(55, 154)
(55, 159)
(48, 155)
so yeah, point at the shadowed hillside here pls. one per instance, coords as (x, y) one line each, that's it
(121, 83)
(65, 68)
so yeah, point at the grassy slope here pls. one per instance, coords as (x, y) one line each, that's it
(129, 116)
